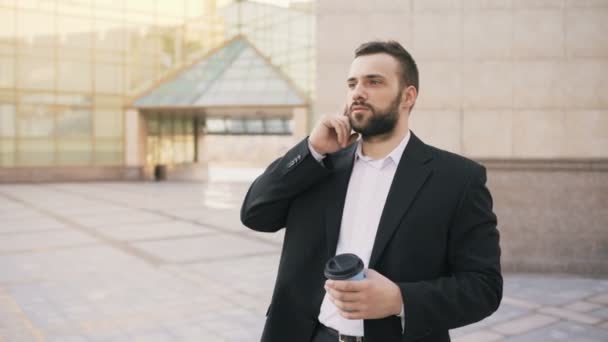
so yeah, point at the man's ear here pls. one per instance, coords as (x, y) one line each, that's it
(408, 97)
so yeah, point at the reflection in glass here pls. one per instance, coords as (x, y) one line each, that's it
(74, 76)
(7, 71)
(74, 152)
(74, 122)
(7, 152)
(35, 152)
(216, 125)
(234, 125)
(36, 121)
(108, 122)
(254, 126)
(36, 73)
(108, 152)
(109, 78)
(7, 120)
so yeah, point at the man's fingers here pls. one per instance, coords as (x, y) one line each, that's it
(348, 285)
(349, 307)
(345, 296)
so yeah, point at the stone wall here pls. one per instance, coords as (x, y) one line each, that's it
(519, 84)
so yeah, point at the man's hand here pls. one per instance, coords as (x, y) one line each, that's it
(374, 297)
(332, 133)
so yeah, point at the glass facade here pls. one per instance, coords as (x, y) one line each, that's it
(68, 68)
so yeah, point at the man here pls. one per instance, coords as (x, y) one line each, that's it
(420, 219)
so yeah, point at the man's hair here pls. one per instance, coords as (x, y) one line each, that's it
(409, 70)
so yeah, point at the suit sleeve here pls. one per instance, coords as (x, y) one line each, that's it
(267, 202)
(473, 291)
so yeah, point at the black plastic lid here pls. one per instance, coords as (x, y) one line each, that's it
(343, 266)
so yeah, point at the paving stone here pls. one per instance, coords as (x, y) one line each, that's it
(524, 324)
(520, 303)
(212, 247)
(479, 336)
(214, 287)
(552, 290)
(505, 312)
(154, 230)
(570, 315)
(582, 306)
(564, 331)
(601, 299)
(42, 240)
(601, 313)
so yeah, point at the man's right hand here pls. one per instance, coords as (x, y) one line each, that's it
(332, 133)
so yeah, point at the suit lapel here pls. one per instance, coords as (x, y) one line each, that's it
(342, 163)
(412, 172)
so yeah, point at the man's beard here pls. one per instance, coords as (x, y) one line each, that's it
(380, 122)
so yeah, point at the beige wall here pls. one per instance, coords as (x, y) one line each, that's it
(498, 78)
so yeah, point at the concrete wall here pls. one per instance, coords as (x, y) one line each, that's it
(520, 85)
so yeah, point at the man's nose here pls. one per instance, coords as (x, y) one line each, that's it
(359, 93)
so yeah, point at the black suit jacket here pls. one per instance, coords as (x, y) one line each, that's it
(437, 240)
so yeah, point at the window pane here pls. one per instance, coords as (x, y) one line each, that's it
(7, 152)
(255, 126)
(108, 101)
(275, 126)
(7, 71)
(37, 152)
(216, 125)
(74, 99)
(36, 121)
(108, 152)
(36, 73)
(7, 23)
(235, 125)
(36, 28)
(110, 36)
(108, 123)
(74, 152)
(153, 125)
(75, 76)
(166, 126)
(75, 32)
(7, 120)
(74, 122)
(109, 78)
(178, 126)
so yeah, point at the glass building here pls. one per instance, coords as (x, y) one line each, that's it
(71, 69)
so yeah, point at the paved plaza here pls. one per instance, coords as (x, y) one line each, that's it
(170, 261)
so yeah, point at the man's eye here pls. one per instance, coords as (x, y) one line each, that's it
(351, 85)
(375, 82)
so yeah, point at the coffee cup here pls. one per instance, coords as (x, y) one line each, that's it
(346, 266)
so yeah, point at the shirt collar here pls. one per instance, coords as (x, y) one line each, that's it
(394, 156)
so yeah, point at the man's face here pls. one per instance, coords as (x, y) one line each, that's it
(374, 95)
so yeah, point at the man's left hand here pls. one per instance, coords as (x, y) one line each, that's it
(374, 297)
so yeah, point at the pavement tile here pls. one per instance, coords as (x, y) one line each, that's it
(519, 303)
(42, 240)
(600, 299)
(215, 277)
(212, 247)
(505, 312)
(553, 290)
(582, 306)
(564, 331)
(524, 324)
(601, 313)
(479, 336)
(154, 230)
(570, 315)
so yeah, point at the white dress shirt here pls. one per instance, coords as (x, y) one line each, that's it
(367, 191)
